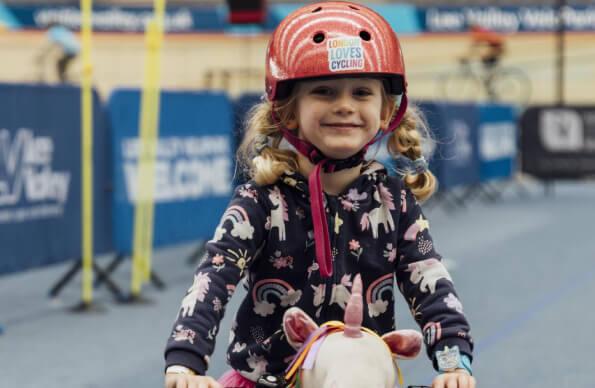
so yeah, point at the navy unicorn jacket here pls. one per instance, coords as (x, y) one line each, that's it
(265, 237)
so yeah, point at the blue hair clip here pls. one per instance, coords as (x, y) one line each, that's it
(405, 166)
(420, 165)
(260, 143)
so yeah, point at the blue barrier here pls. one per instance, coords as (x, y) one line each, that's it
(405, 19)
(455, 161)
(509, 19)
(125, 19)
(193, 168)
(497, 142)
(40, 183)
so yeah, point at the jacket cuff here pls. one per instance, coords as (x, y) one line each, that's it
(187, 359)
(465, 347)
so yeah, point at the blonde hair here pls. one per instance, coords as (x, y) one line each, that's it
(261, 158)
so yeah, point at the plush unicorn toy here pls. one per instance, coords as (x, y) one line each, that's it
(346, 355)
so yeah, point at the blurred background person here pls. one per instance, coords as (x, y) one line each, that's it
(61, 44)
(487, 46)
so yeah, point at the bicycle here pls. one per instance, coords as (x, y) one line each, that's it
(496, 84)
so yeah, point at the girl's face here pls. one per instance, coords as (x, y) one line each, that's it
(339, 116)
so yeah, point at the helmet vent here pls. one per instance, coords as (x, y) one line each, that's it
(317, 9)
(365, 35)
(318, 38)
(352, 7)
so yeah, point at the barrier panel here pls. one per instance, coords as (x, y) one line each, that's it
(558, 142)
(193, 169)
(455, 160)
(123, 19)
(40, 176)
(404, 18)
(497, 142)
(509, 19)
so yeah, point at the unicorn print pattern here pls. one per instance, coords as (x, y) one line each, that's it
(196, 293)
(340, 294)
(279, 213)
(380, 215)
(428, 272)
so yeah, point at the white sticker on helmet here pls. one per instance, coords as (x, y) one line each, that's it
(345, 53)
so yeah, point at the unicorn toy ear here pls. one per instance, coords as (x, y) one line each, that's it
(297, 326)
(406, 344)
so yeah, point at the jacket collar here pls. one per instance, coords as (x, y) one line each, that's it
(373, 173)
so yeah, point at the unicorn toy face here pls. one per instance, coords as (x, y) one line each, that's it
(346, 355)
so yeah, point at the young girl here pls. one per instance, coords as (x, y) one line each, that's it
(317, 213)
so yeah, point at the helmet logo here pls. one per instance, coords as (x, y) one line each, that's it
(345, 53)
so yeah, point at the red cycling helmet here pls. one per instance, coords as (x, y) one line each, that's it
(330, 39)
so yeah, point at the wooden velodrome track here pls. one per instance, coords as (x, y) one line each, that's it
(235, 63)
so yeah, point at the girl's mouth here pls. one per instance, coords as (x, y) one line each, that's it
(341, 125)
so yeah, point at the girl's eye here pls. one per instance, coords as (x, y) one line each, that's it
(362, 92)
(322, 91)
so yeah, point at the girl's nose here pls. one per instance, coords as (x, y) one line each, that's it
(344, 103)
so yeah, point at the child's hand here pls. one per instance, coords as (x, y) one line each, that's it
(180, 380)
(457, 379)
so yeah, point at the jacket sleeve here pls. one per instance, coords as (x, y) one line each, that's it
(426, 284)
(237, 240)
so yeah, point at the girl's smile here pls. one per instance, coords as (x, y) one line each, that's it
(344, 126)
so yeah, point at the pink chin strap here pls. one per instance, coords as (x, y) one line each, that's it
(321, 162)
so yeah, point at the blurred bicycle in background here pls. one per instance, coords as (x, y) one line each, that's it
(471, 82)
(481, 75)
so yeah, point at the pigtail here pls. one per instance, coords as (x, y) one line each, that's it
(259, 154)
(406, 141)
